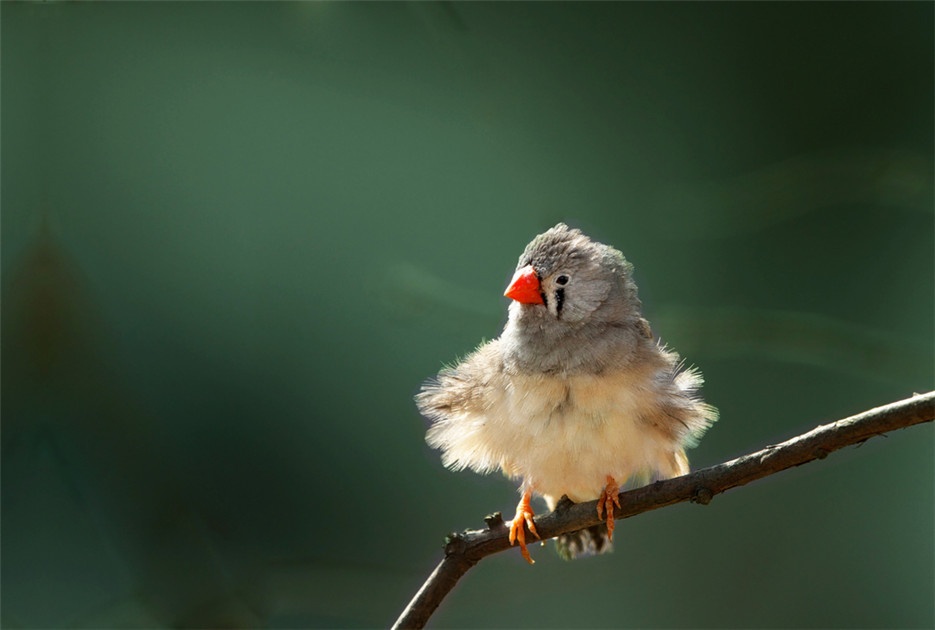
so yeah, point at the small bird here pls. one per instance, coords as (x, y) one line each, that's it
(575, 397)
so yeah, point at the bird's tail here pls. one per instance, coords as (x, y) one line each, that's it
(586, 542)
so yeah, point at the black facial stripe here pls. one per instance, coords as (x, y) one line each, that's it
(545, 299)
(559, 301)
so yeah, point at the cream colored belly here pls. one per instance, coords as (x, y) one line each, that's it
(565, 436)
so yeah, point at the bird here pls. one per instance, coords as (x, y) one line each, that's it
(576, 398)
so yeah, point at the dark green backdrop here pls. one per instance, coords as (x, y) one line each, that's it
(236, 238)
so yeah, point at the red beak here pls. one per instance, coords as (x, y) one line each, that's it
(524, 287)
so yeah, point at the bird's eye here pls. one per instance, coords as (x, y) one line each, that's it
(562, 280)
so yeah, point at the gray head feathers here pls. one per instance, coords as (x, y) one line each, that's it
(562, 245)
(592, 316)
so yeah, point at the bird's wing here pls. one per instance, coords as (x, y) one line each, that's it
(458, 402)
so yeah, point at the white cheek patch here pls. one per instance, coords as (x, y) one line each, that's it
(581, 299)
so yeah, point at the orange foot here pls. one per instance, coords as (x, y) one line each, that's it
(518, 526)
(606, 502)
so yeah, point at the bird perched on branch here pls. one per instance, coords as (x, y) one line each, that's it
(575, 397)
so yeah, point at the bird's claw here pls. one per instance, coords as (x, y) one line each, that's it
(518, 525)
(606, 502)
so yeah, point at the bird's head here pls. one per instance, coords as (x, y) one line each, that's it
(565, 276)
(575, 306)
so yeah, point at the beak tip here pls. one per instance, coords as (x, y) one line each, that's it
(524, 287)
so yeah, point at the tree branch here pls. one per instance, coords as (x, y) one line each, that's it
(464, 550)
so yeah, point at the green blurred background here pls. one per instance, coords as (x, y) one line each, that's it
(237, 236)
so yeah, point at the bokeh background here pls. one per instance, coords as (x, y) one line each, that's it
(236, 238)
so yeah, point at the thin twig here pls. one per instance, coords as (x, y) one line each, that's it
(464, 550)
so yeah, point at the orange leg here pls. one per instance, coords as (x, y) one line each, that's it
(518, 526)
(606, 502)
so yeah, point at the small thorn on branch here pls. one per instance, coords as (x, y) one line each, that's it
(454, 543)
(702, 496)
(494, 520)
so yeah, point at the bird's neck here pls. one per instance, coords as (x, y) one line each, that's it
(531, 348)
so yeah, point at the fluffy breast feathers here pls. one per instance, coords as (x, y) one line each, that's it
(564, 433)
